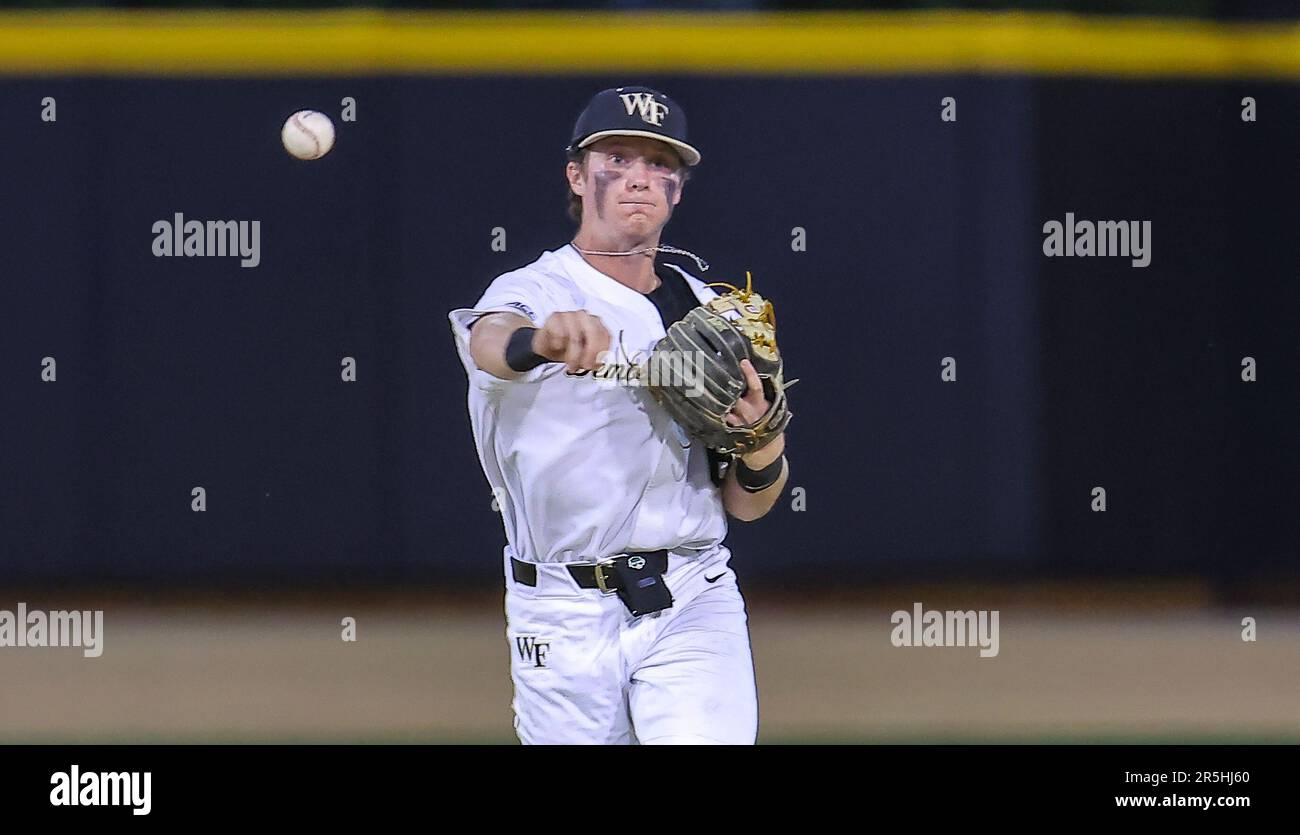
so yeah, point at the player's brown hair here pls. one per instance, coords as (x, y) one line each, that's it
(575, 202)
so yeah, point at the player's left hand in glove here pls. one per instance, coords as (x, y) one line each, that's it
(719, 374)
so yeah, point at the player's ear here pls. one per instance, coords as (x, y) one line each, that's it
(577, 178)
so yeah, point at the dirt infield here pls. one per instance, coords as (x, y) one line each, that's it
(431, 670)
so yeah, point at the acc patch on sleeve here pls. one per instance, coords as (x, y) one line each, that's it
(524, 309)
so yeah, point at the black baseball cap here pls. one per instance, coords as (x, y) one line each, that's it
(634, 111)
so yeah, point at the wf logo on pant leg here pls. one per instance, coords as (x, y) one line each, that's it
(533, 650)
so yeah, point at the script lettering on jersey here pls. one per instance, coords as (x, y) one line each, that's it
(671, 368)
(627, 373)
(617, 366)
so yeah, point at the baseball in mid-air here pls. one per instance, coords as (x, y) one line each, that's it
(308, 134)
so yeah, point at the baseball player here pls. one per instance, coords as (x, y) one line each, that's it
(625, 623)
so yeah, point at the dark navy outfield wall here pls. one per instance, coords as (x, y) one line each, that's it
(923, 241)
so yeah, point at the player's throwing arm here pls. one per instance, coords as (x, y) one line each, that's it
(506, 345)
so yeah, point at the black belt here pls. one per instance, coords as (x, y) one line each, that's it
(592, 576)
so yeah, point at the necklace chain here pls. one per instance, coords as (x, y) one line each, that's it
(699, 262)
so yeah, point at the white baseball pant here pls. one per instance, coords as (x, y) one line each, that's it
(586, 672)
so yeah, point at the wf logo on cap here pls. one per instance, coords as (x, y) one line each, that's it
(651, 112)
(633, 111)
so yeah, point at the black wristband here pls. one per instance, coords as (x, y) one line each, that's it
(519, 351)
(756, 481)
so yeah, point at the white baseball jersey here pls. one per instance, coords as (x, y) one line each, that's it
(583, 469)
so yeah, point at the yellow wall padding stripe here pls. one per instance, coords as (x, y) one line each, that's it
(868, 43)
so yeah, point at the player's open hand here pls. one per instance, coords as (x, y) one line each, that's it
(753, 405)
(573, 337)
